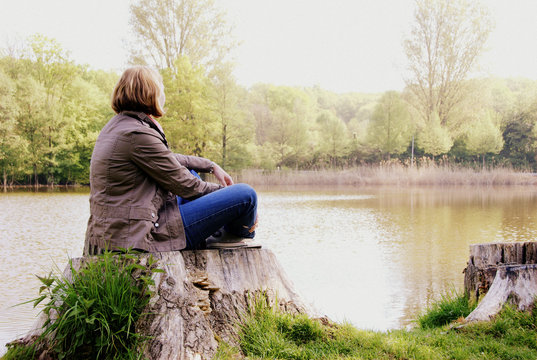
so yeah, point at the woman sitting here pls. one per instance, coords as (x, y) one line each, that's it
(136, 180)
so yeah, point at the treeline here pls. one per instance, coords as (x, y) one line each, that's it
(51, 111)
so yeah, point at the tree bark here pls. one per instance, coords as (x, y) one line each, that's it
(4, 180)
(201, 297)
(516, 285)
(498, 273)
(485, 260)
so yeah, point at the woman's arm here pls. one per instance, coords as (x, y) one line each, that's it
(158, 162)
(205, 165)
(195, 163)
(222, 176)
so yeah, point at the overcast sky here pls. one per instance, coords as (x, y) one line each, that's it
(340, 45)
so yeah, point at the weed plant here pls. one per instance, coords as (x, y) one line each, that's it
(268, 333)
(20, 352)
(93, 314)
(449, 308)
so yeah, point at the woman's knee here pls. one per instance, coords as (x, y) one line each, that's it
(246, 192)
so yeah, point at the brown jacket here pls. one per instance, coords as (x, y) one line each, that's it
(134, 178)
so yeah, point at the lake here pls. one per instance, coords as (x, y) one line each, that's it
(374, 257)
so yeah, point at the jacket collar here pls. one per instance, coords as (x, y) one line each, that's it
(144, 118)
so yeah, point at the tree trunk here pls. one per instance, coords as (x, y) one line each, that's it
(486, 258)
(201, 297)
(412, 154)
(499, 273)
(36, 181)
(224, 145)
(516, 285)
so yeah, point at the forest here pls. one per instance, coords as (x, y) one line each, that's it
(52, 109)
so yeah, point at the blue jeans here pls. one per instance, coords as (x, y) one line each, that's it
(233, 207)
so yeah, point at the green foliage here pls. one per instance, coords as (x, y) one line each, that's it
(93, 314)
(226, 351)
(51, 112)
(284, 123)
(50, 115)
(267, 333)
(484, 136)
(520, 137)
(235, 126)
(190, 123)
(333, 136)
(390, 129)
(20, 352)
(13, 148)
(434, 139)
(449, 308)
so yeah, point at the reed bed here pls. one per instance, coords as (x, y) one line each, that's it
(391, 175)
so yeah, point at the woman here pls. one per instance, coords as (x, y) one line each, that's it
(135, 180)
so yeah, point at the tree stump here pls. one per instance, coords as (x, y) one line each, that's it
(201, 297)
(485, 260)
(499, 273)
(515, 284)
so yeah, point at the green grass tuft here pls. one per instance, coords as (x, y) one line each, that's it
(93, 315)
(20, 352)
(267, 333)
(449, 308)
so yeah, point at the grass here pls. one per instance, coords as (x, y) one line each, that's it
(391, 174)
(267, 333)
(450, 307)
(93, 314)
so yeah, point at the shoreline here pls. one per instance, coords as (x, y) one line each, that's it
(375, 175)
(392, 175)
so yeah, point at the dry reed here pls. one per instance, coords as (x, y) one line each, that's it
(391, 174)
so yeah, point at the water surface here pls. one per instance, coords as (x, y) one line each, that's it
(373, 257)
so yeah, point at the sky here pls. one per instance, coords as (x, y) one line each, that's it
(339, 45)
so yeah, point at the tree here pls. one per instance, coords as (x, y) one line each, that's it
(434, 139)
(190, 122)
(32, 123)
(12, 146)
(236, 130)
(50, 114)
(54, 72)
(390, 129)
(520, 139)
(333, 135)
(165, 30)
(288, 131)
(444, 43)
(484, 136)
(86, 108)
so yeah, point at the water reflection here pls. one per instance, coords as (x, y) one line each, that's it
(373, 257)
(37, 231)
(379, 256)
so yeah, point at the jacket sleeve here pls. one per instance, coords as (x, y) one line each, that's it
(156, 160)
(196, 163)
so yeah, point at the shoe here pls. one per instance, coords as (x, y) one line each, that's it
(224, 240)
(225, 245)
(251, 244)
(244, 244)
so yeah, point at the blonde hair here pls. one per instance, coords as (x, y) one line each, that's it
(138, 89)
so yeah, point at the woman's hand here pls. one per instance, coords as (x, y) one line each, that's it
(222, 176)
